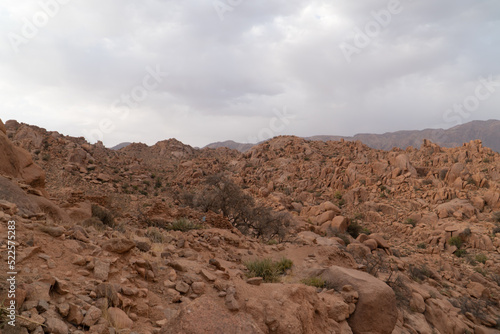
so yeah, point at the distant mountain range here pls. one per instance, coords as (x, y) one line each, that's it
(487, 131)
(232, 145)
(121, 145)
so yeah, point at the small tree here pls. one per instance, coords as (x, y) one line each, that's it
(223, 196)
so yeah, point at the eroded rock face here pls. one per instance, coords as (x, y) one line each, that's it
(2, 127)
(16, 162)
(376, 310)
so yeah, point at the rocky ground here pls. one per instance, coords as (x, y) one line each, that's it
(401, 241)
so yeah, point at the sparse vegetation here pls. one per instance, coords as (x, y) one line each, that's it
(333, 232)
(221, 195)
(103, 214)
(316, 282)
(422, 245)
(419, 273)
(460, 253)
(354, 229)
(466, 304)
(481, 271)
(401, 290)
(481, 258)
(455, 241)
(184, 225)
(154, 234)
(268, 269)
(410, 221)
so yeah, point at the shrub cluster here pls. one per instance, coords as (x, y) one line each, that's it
(268, 269)
(222, 195)
(103, 214)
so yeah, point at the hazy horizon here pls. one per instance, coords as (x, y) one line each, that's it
(212, 71)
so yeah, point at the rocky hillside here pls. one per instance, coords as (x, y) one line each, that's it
(486, 131)
(292, 236)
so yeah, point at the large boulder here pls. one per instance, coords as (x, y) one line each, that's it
(118, 245)
(206, 315)
(376, 310)
(456, 171)
(402, 162)
(17, 163)
(449, 208)
(11, 192)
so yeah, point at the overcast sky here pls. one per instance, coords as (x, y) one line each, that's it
(204, 71)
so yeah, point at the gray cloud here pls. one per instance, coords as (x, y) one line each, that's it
(226, 77)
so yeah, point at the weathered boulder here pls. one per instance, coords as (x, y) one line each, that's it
(455, 172)
(118, 245)
(376, 310)
(17, 162)
(119, 319)
(206, 315)
(448, 209)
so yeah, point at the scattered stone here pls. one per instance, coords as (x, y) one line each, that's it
(56, 326)
(182, 287)
(92, 316)
(208, 275)
(198, 288)
(118, 245)
(101, 270)
(255, 280)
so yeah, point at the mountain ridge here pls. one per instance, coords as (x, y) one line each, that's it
(486, 131)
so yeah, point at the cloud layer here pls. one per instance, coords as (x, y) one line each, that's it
(230, 69)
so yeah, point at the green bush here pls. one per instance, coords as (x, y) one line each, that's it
(460, 253)
(366, 231)
(481, 258)
(410, 221)
(354, 229)
(455, 241)
(268, 269)
(422, 245)
(316, 282)
(284, 264)
(154, 234)
(184, 225)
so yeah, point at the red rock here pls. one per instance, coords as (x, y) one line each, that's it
(376, 310)
(119, 318)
